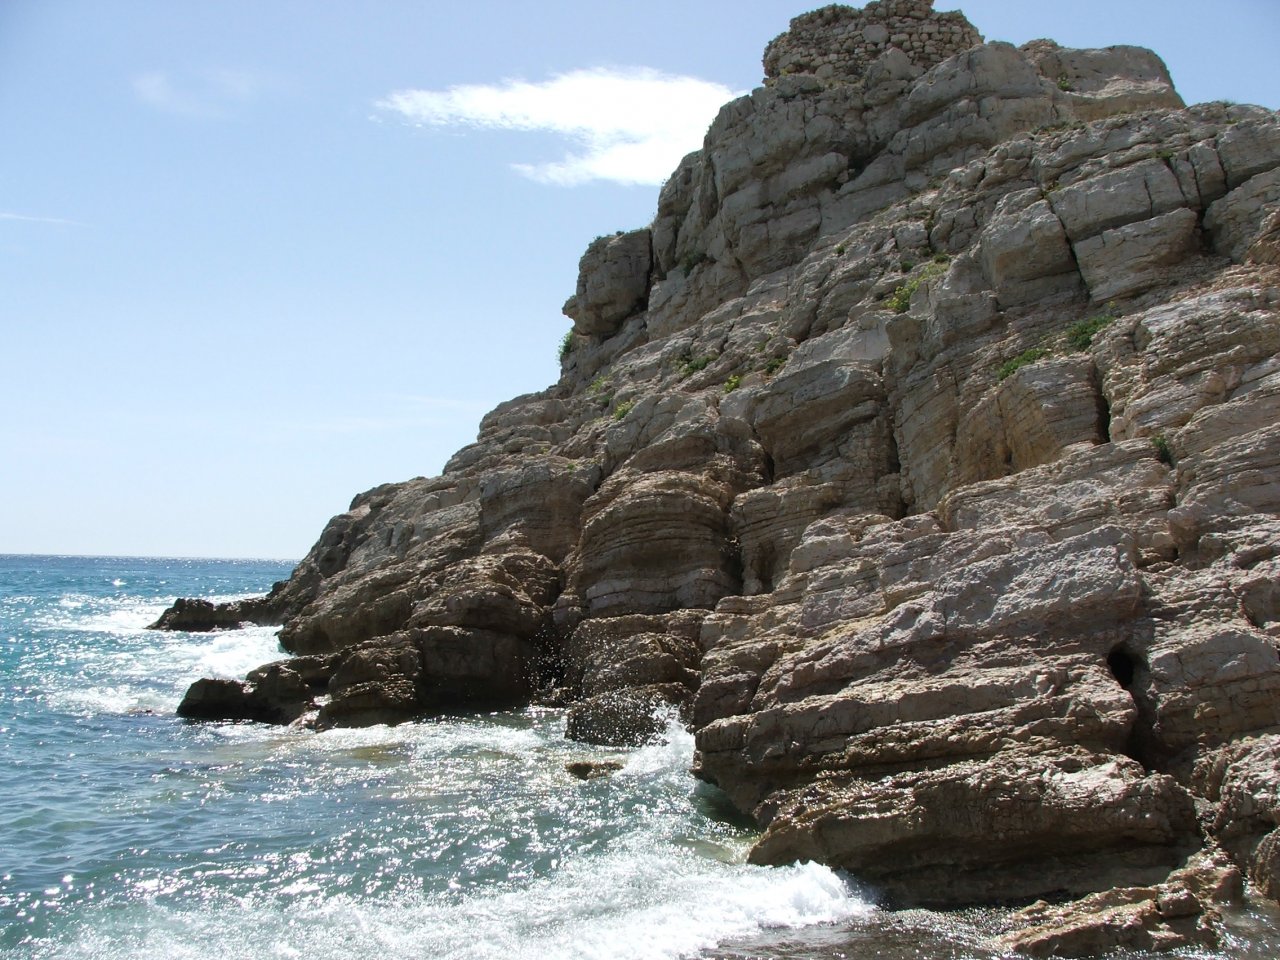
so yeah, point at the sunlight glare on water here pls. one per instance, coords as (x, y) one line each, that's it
(129, 833)
(459, 836)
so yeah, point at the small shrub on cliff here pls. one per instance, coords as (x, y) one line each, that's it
(1064, 83)
(567, 344)
(1080, 335)
(733, 383)
(1010, 367)
(623, 409)
(774, 365)
(691, 260)
(900, 300)
(689, 364)
(1164, 453)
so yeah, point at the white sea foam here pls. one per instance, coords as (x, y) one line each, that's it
(229, 653)
(95, 614)
(111, 698)
(625, 906)
(670, 751)
(138, 670)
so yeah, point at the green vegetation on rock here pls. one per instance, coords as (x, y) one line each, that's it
(900, 300)
(1164, 453)
(689, 364)
(1010, 367)
(1080, 335)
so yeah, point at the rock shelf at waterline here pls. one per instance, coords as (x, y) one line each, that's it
(924, 451)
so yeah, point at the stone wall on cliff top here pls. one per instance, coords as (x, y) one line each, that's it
(924, 450)
(841, 41)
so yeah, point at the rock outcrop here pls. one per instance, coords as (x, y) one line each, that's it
(924, 452)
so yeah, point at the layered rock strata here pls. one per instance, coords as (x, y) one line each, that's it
(924, 451)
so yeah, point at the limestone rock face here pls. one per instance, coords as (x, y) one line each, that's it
(613, 282)
(922, 455)
(981, 818)
(1176, 913)
(655, 541)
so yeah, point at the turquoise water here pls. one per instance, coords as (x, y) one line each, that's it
(126, 832)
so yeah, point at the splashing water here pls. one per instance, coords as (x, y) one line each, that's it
(128, 833)
(131, 833)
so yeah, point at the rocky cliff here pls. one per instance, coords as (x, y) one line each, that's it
(925, 451)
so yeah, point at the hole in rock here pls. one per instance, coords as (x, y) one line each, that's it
(763, 568)
(1122, 667)
(1143, 744)
(1104, 418)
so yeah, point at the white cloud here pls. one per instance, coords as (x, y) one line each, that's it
(55, 220)
(627, 125)
(213, 93)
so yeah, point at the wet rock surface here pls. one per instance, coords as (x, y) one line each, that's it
(923, 452)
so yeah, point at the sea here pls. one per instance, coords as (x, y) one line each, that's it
(127, 832)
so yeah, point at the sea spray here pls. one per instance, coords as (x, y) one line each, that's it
(458, 836)
(128, 833)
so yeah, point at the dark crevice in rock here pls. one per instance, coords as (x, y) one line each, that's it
(1122, 667)
(762, 568)
(1129, 670)
(1104, 416)
(768, 470)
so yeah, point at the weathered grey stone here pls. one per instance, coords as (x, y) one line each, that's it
(847, 40)
(1131, 259)
(1106, 82)
(922, 452)
(1025, 252)
(1245, 217)
(613, 283)
(1176, 914)
(1029, 810)
(1131, 194)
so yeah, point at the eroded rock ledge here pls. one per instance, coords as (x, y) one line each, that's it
(925, 451)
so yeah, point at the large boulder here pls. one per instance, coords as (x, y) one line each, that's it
(613, 283)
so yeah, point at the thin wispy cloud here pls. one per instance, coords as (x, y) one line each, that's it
(630, 125)
(214, 94)
(57, 221)
(403, 412)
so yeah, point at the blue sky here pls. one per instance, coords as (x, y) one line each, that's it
(260, 255)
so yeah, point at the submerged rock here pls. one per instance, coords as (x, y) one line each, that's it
(592, 769)
(924, 451)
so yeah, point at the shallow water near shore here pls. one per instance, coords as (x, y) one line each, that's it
(127, 832)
